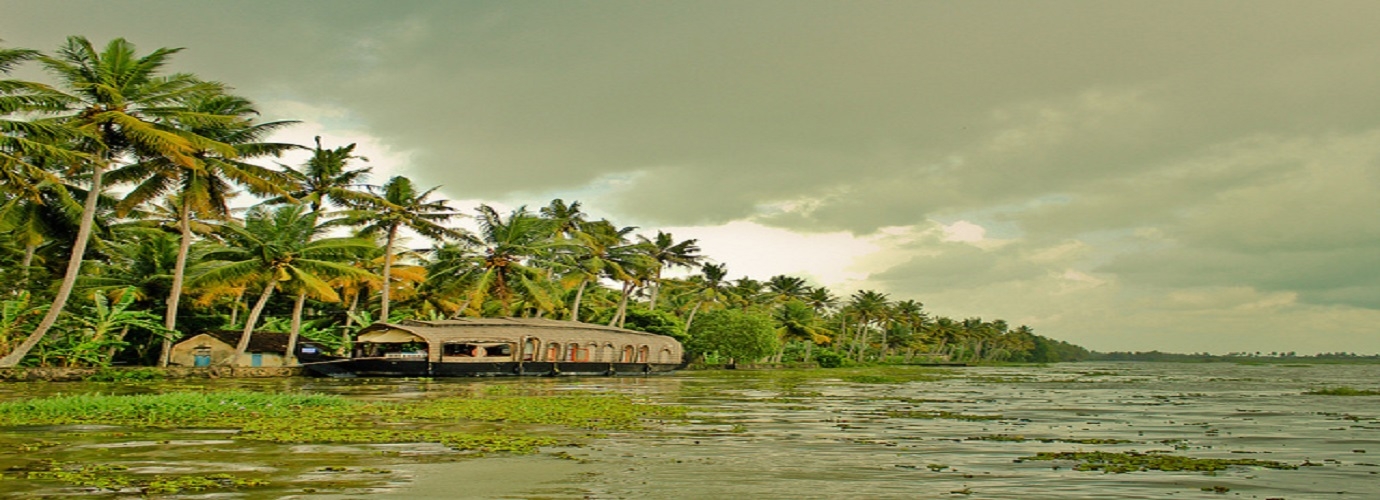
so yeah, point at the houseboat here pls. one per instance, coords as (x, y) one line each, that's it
(501, 346)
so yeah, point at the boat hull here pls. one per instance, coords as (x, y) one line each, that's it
(421, 368)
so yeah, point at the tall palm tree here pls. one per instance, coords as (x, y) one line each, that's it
(631, 264)
(507, 257)
(869, 306)
(667, 252)
(26, 136)
(123, 109)
(327, 179)
(278, 248)
(204, 188)
(399, 205)
(747, 292)
(710, 288)
(786, 288)
(569, 218)
(603, 251)
(821, 299)
(795, 320)
(30, 194)
(31, 222)
(909, 315)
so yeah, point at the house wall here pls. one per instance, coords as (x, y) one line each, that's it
(184, 353)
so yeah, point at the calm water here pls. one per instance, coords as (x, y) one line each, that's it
(764, 435)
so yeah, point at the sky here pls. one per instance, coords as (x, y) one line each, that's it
(1141, 175)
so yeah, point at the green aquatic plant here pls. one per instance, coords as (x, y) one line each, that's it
(176, 409)
(1016, 438)
(312, 418)
(1342, 391)
(1132, 461)
(584, 411)
(112, 477)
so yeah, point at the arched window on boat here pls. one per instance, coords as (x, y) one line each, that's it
(642, 353)
(608, 354)
(530, 348)
(573, 352)
(664, 356)
(627, 355)
(590, 351)
(553, 352)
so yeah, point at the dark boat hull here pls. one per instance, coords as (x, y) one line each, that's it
(413, 368)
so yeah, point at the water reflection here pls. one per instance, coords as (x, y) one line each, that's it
(923, 434)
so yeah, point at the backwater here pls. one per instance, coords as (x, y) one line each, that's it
(892, 432)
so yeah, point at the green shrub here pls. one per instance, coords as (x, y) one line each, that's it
(742, 336)
(828, 359)
(126, 375)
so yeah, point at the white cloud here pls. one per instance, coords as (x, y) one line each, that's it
(760, 251)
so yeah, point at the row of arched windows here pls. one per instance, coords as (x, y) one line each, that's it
(590, 352)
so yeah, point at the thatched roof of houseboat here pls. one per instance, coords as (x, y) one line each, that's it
(507, 329)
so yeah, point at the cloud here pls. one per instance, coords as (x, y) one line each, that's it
(1141, 174)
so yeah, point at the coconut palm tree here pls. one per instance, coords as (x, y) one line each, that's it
(507, 257)
(569, 218)
(204, 188)
(32, 222)
(710, 288)
(631, 264)
(795, 320)
(747, 293)
(327, 179)
(784, 288)
(601, 251)
(821, 299)
(909, 317)
(26, 136)
(399, 205)
(869, 306)
(31, 195)
(124, 109)
(278, 248)
(667, 252)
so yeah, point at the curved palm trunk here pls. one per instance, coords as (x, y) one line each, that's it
(250, 321)
(387, 272)
(656, 289)
(579, 295)
(184, 226)
(862, 341)
(691, 318)
(69, 279)
(290, 357)
(29, 250)
(354, 307)
(619, 317)
(235, 309)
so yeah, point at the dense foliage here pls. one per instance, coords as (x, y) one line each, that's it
(98, 278)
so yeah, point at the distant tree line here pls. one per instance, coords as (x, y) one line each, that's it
(1234, 356)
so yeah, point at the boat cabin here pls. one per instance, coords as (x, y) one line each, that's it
(491, 345)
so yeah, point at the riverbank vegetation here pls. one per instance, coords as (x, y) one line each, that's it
(120, 240)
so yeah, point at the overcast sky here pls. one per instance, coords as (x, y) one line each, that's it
(1182, 176)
